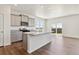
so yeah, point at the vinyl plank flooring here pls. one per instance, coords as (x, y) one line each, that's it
(59, 46)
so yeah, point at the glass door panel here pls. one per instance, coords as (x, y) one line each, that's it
(59, 28)
(53, 28)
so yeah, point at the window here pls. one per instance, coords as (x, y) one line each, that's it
(39, 24)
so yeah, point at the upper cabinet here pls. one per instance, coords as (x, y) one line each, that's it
(25, 18)
(15, 20)
(31, 22)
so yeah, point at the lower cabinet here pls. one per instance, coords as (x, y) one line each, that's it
(16, 35)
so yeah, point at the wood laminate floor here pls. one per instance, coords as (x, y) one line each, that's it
(58, 46)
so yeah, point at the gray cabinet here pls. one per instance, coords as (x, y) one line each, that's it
(16, 35)
(15, 20)
(24, 18)
(31, 22)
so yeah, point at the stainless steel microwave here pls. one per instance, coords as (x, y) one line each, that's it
(24, 23)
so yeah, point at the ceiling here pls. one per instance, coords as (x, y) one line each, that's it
(43, 10)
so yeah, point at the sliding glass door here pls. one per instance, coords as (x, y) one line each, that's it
(57, 28)
(53, 28)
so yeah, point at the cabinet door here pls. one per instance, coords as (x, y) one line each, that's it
(16, 35)
(1, 30)
(24, 19)
(15, 20)
(31, 22)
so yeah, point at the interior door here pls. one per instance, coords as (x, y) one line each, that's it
(1, 30)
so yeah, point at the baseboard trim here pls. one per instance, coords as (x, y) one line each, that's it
(17, 41)
(70, 37)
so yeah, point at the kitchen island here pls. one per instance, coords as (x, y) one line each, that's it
(35, 40)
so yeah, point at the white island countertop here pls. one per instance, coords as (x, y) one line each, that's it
(36, 33)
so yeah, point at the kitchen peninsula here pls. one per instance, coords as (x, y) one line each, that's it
(35, 40)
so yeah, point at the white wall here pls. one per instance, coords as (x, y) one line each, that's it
(70, 25)
(5, 10)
